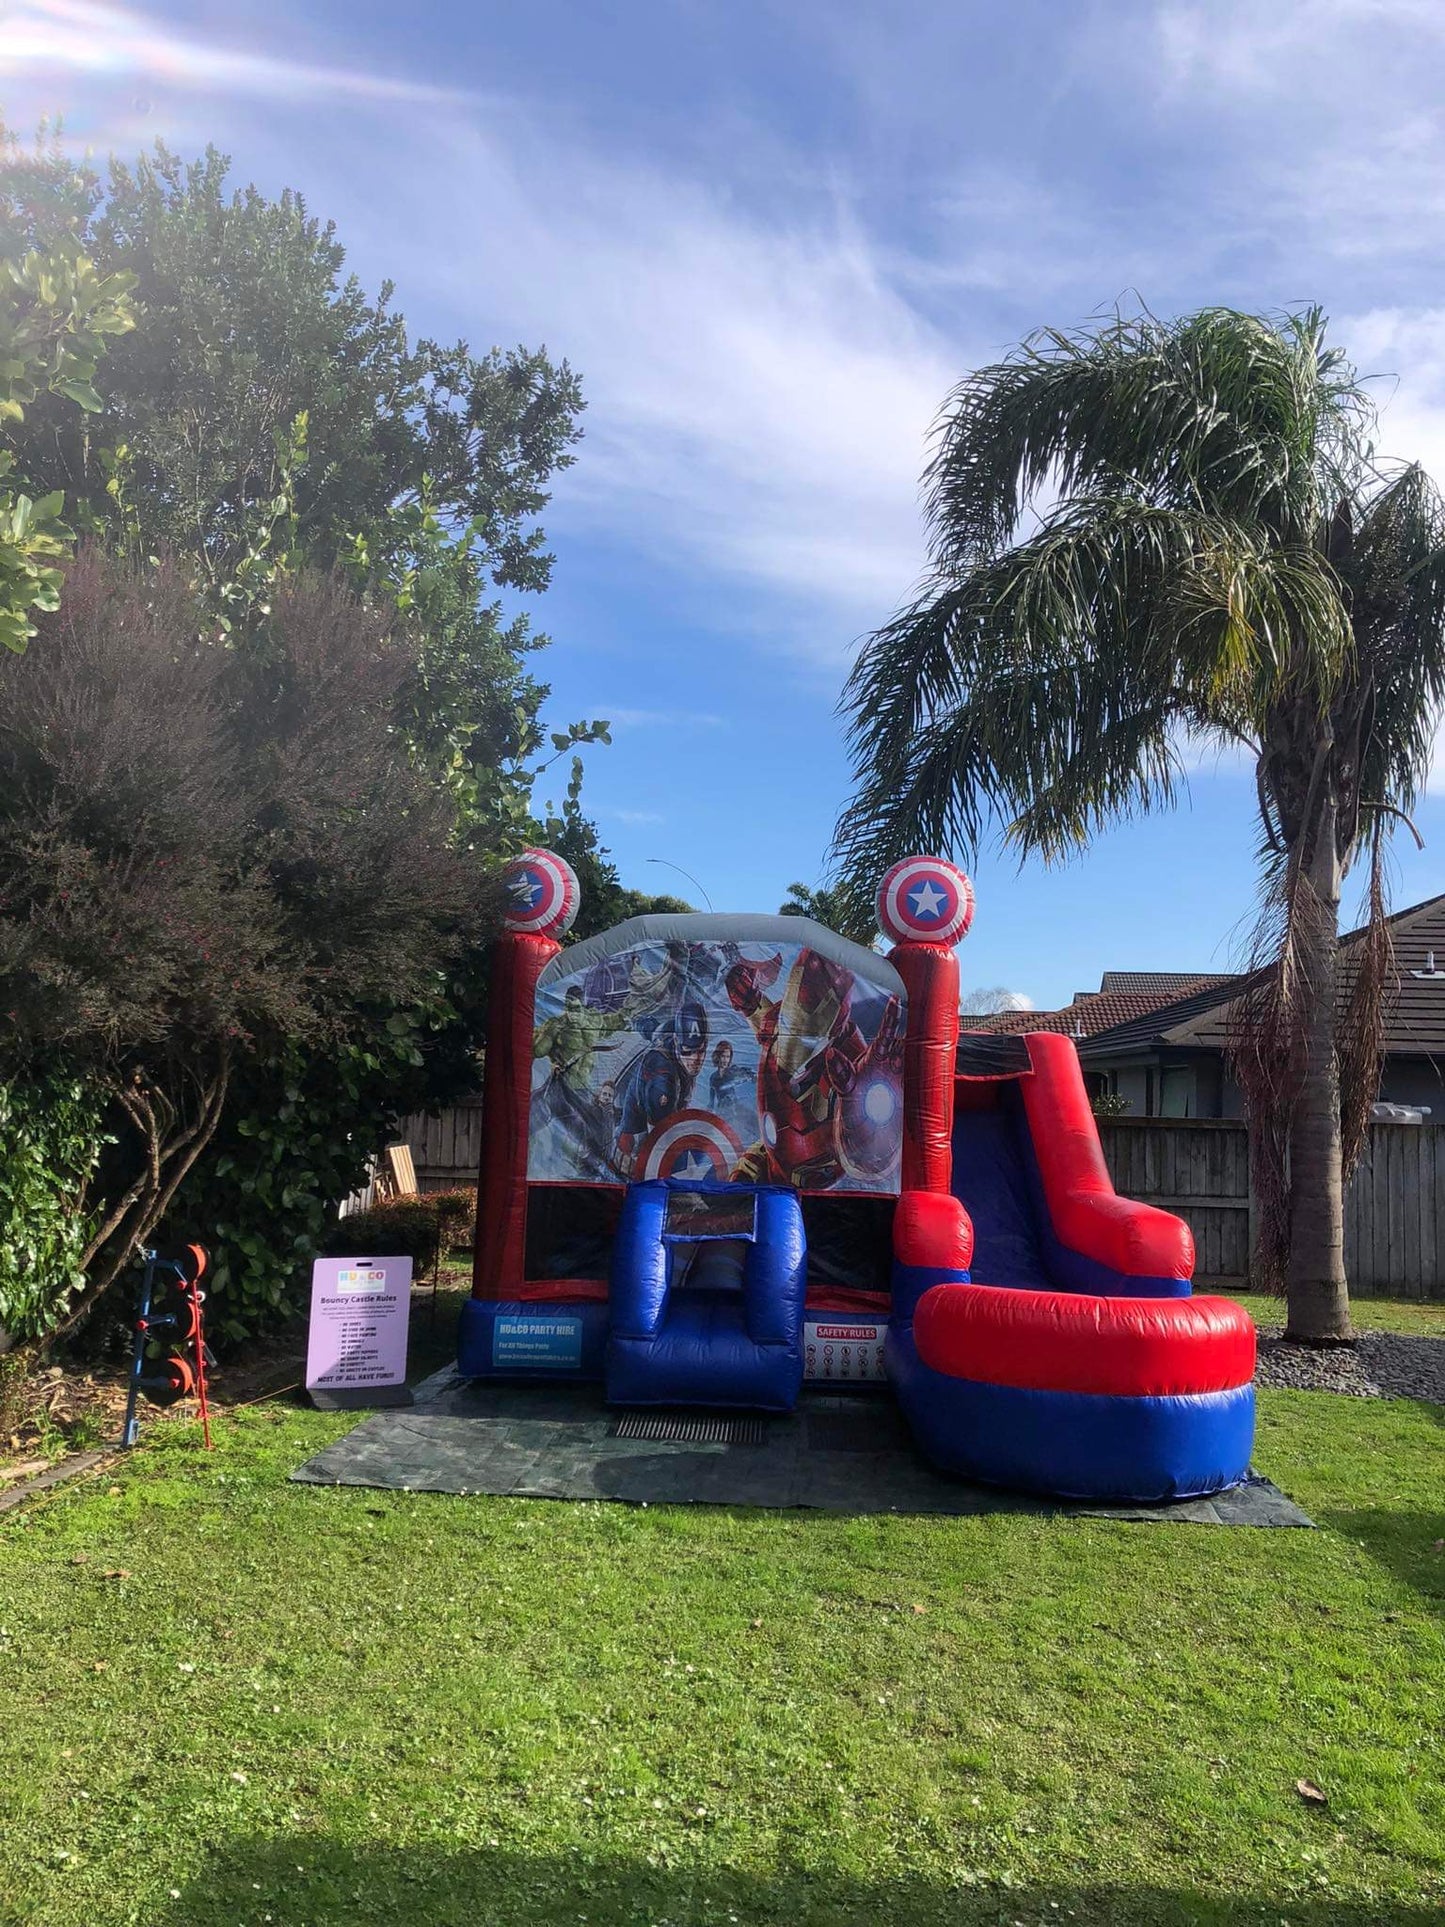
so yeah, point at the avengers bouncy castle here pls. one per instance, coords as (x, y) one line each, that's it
(728, 1157)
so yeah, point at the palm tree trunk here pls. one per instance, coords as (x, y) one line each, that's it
(1316, 1287)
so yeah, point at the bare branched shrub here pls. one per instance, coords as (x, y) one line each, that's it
(208, 850)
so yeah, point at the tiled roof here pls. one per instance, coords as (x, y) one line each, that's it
(1201, 1018)
(1093, 1011)
(1415, 1024)
(1171, 982)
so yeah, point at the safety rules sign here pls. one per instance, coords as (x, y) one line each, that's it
(356, 1352)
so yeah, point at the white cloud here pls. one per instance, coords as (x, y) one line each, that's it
(759, 392)
(635, 817)
(1289, 46)
(760, 388)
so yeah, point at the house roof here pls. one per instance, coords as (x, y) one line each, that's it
(1123, 997)
(1168, 982)
(1201, 1019)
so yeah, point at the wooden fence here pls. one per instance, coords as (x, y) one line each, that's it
(1199, 1168)
(1196, 1167)
(1395, 1214)
(446, 1148)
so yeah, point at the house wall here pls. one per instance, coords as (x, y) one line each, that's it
(1162, 1085)
(1199, 1085)
(1415, 1080)
(1135, 1084)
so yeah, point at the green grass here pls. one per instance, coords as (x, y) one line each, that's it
(1367, 1314)
(228, 1699)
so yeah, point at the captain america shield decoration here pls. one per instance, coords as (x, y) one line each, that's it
(924, 899)
(541, 893)
(689, 1144)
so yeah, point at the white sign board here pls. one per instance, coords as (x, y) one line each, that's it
(356, 1349)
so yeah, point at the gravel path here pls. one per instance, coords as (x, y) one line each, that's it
(1380, 1365)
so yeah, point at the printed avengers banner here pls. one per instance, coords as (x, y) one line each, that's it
(759, 1062)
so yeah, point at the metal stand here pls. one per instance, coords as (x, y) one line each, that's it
(181, 1377)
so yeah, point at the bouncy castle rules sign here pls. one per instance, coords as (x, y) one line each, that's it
(356, 1351)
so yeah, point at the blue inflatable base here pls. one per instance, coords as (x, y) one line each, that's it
(704, 1357)
(1074, 1445)
(703, 1321)
(511, 1338)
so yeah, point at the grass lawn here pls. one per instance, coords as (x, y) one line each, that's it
(1405, 1315)
(227, 1699)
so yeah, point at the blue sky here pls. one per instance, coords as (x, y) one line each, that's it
(770, 237)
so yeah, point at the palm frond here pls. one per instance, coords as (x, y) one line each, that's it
(1232, 414)
(1370, 964)
(1044, 694)
(1394, 578)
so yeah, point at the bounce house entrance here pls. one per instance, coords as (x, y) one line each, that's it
(707, 1298)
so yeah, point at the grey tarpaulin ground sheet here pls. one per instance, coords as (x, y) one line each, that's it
(837, 1453)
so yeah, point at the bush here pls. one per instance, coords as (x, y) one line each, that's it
(299, 1133)
(456, 1216)
(212, 858)
(401, 1228)
(52, 1134)
(1109, 1104)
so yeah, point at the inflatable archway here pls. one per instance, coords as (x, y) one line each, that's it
(726, 1155)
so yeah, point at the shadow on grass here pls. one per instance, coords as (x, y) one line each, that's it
(1408, 1544)
(323, 1884)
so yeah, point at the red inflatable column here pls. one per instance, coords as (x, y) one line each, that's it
(926, 905)
(930, 974)
(542, 900)
(497, 1260)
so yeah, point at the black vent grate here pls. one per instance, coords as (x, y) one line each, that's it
(690, 1428)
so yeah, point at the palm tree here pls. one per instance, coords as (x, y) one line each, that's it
(1144, 536)
(841, 907)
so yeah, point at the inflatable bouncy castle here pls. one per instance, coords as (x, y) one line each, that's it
(726, 1158)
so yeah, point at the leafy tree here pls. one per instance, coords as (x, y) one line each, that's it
(58, 312)
(1146, 535)
(262, 383)
(840, 906)
(247, 321)
(269, 417)
(210, 855)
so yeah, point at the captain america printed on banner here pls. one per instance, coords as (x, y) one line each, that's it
(758, 1062)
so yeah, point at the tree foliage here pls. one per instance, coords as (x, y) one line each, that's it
(264, 386)
(842, 906)
(269, 418)
(990, 1001)
(210, 854)
(58, 314)
(52, 1127)
(1146, 535)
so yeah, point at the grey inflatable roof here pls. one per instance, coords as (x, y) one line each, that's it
(700, 927)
